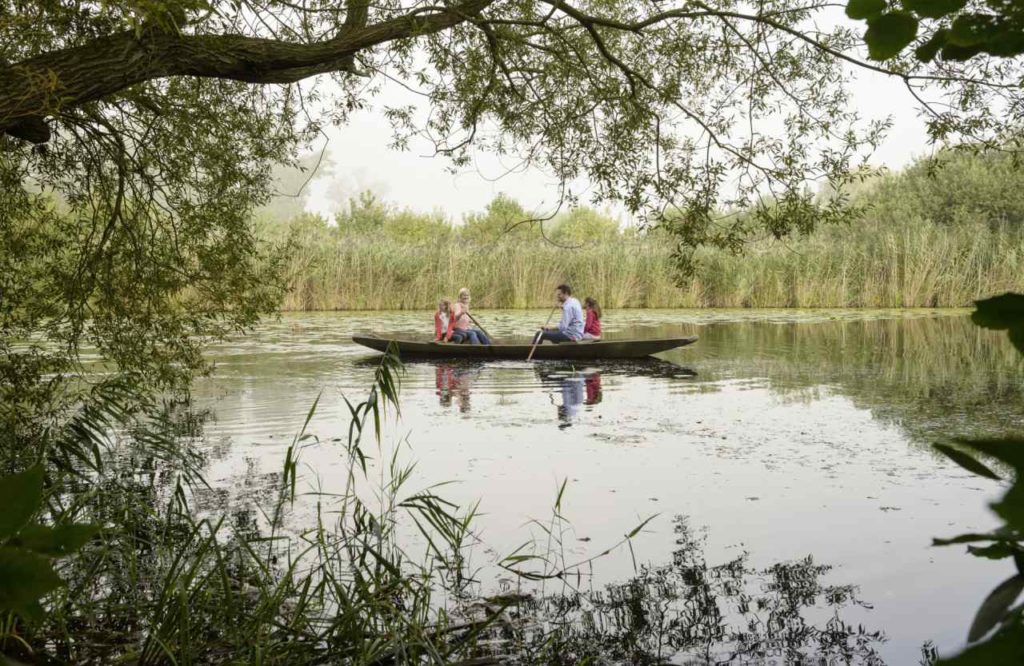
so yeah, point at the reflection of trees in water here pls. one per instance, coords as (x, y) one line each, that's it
(916, 372)
(691, 613)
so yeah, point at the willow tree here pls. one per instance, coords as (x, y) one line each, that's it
(137, 135)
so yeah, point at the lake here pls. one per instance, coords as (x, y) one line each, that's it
(785, 458)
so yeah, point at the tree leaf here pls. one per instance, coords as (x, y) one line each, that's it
(1009, 450)
(20, 496)
(994, 607)
(24, 578)
(966, 461)
(934, 8)
(864, 9)
(972, 30)
(1005, 647)
(996, 551)
(889, 34)
(1003, 312)
(955, 53)
(1017, 338)
(54, 541)
(966, 538)
(927, 51)
(1007, 43)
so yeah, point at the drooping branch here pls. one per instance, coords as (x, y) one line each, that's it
(42, 85)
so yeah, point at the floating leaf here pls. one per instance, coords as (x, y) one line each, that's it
(889, 34)
(994, 607)
(20, 496)
(864, 9)
(54, 541)
(966, 461)
(934, 8)
(24, 578)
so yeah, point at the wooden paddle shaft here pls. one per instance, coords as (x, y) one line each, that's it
(537, 341)
(473, 319)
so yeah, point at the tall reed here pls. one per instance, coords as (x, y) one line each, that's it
(915, 264)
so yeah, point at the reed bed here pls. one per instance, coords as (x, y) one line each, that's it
(874, 264)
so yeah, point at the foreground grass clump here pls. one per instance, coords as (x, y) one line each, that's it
(163, 582)
(929, 238)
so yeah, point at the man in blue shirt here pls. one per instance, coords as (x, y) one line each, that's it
(570, 329)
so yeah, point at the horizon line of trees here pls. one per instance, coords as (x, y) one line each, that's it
(951, 188)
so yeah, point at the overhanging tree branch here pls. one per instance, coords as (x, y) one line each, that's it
(38, 87)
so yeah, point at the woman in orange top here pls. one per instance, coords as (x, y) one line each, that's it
(460, 321)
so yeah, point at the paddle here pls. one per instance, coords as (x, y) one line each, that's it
(473, 319)
(537, 341)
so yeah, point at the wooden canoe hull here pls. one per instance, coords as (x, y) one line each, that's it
(564, 351)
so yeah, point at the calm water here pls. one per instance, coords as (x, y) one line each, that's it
(779, 435)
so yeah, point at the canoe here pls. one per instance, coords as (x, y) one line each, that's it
(566, 350)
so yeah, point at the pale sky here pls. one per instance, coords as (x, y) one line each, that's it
(360, 159)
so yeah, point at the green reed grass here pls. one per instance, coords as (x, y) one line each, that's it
(918, 264)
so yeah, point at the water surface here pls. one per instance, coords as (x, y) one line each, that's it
(780, 436)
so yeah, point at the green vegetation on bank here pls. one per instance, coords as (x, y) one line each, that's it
(939, 234)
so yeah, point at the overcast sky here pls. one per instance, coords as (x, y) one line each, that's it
(360, 159)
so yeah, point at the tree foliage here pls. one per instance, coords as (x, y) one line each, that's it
(953, 30)
(959, 188)
(665, 107)
(502, 217)
(583, 225)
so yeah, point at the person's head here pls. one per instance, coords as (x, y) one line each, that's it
(444, 305)
(464, 295)
(590, 303)
(563, 292)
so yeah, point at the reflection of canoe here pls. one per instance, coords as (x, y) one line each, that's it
(565, 350)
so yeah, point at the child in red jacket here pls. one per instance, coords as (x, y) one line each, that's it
(592, 325)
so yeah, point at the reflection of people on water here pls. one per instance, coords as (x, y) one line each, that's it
(593, 382)
(578, 389)
(453, 381)
(572, 398)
